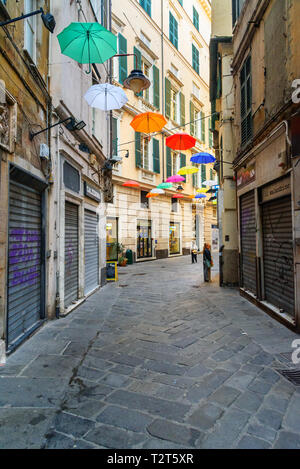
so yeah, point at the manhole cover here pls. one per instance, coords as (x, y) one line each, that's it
(291, 375)
(123, 286)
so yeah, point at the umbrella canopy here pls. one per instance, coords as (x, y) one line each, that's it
(188, 170)
(178, 196)
(150, 194)
(202, 190)
(106, 97)
(87, 43)
(200, 196)
(209, 182)
(131, 184)
(165, 185)
(203, 158)
(175, 178)
(180, 142)
(148, 122)
(157, 191)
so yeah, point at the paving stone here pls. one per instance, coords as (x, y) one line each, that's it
(51, 366)
(250, 442)
(72, 425)
(197, 371)
(57, 440)
(240, 380)
(115, 380)
(31, 392)
(83, 407)
(205, 417)
(270, 418)
(90, 373)
(269, 375)
(260, 386)
(112, 437)
(185, 342)
(166, 368)
(124, 418)
(127, 360)
(123, 370)
(261, 431)
(97, 363)
(225, 396)
(155, 443)
(287, 440)
(292, 420)
(262, 359)
(276, 402)
(170, 431)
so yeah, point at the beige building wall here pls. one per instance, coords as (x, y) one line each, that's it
(144, 33)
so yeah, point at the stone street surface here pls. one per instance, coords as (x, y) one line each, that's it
(157, 360)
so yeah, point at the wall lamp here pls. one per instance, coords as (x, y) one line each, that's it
(48, 19)
(71, 123)
(136, 81)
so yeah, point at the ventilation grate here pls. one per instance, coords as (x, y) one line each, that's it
(291, 375)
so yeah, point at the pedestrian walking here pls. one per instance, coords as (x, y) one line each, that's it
(194, 252)
(207, 262)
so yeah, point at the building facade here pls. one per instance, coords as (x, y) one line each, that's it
(222, 108)
(170, 43)
(266, 68)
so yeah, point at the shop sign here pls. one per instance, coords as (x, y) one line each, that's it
(92, 193)
(277, 189)
(246, 175)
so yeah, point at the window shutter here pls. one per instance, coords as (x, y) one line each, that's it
(195, 178)
(202, 126)
(115, 136)
(156, 161)
(210, 134)
(156, 102)
(203, 174)
(138, 152)
(246, 102)
(139, 64)
(182, 109)
(122, 60)
(173, 30)
(168, 98)
(169, 162)
(196, 18)
(211, 174)
(192, 118)
(195, 57)
(183, 163)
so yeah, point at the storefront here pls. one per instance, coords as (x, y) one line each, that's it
(112, 239)
(144, 239)
(174, 238)
(26, 256)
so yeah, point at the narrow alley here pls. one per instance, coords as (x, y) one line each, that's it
(157, 360)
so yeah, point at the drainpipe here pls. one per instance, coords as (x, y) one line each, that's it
(162, 84)
(110, 80)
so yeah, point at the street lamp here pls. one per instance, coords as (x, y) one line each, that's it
(72, 125)
(136, 81)
(47, 18)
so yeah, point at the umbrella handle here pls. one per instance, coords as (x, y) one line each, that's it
(89, 70)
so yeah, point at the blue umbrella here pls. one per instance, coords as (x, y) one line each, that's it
(203, 158)
(200, 196)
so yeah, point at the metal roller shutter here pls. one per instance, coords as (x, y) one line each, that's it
(278, 254)
(24, 262)
(248, 242)
(71, 253)
(91, 251)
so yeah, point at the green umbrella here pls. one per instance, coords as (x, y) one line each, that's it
(165, 185)
(87, 43)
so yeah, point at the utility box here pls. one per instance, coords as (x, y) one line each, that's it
(129, 256)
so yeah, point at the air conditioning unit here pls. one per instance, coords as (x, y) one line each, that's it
(44, 151)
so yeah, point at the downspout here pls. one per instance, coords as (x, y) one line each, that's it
(110, 80)
(162, 85)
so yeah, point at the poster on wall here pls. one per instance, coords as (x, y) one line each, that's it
(215, 239)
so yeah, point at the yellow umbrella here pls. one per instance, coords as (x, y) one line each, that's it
(188, 170)
(202, 190)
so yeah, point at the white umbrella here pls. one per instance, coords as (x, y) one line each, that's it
(157, 191)
(106, 97)
(210, 182)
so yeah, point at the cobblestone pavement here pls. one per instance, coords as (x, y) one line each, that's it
(158, 360)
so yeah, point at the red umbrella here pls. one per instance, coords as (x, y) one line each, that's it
(131, 184)
(180, 142)
(178, 196)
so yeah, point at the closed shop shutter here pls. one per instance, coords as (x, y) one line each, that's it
(91, 251)
(71, 253)
(24, 262)
(248, 242)
(278, 254)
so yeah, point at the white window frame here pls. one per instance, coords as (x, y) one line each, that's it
(30, 25)
(150, 154)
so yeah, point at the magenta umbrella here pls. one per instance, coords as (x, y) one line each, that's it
(175, 178)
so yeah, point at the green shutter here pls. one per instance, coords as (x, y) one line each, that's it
(122, 60)
(182, 109)
(173, 30)
(183, 163)
(192, 118)
(211, 174)
(169, 162)
(139, 64)
(156, 161)
(168, 98)
(115, 136)
(156, 102)
(138, 151)
(203, 174)
(210, 134)
(202, 126)
(196, 18)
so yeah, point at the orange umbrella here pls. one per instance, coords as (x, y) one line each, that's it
(131, 184)
(148, 122)
(151, 194)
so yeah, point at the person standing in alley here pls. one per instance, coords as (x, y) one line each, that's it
(194, 251)
(207, 262)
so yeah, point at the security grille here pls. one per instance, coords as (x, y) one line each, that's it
(248, 242)
(71, 253)
(91, 251)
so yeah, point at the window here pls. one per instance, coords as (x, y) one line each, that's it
(195, 58)
(203, 175)
(112, 239)
(146, 4)
(174, 207)
(145, 153)
(196, 91)
(30, 29)
(146, 68)
(237, 6)
(246, 102)
(122, 60)
(174, 240)
(196, 18)
(173, 30)
(144, 200)
(174, 105)
(210, 135)
(100, 10)
(71, 177)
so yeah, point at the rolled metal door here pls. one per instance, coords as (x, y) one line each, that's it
(71, 253)
(24, 296)
(91, 251)
(278, 254)
(248, 242)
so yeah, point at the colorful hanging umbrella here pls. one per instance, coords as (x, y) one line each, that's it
(200, 196)
(131, 184)
(148, 122)
(188, 170)
(87, 43)
(209, 182)
(203, 158)
(202, 190)
(165, 185)
(106, 97)
(157, 191)
(175, 178)
(180, 142)
(150, 194)
(178, 196)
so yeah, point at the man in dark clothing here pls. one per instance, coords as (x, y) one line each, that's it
(207, 262)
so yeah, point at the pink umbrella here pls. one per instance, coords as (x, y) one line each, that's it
(175, 178)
